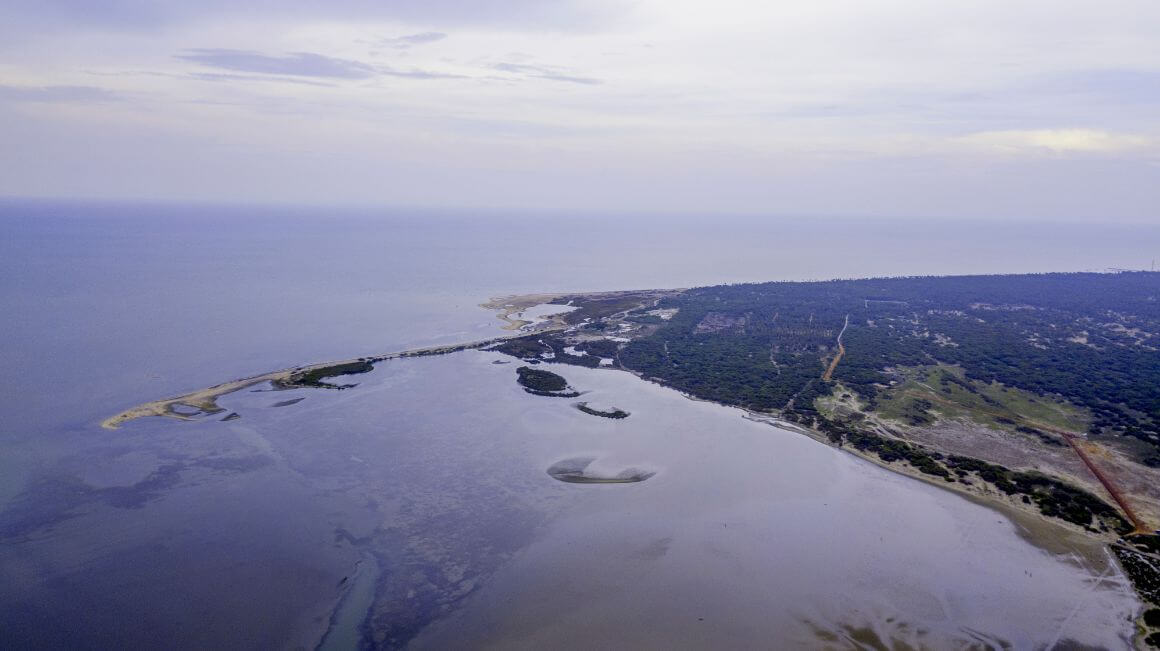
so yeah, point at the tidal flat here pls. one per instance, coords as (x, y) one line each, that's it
(746, 535)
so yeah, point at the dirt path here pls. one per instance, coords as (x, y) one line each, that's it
(828, 375)
(1109, 486)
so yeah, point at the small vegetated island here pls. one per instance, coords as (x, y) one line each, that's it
(544, 383)
(614, 413)
(1039, 391)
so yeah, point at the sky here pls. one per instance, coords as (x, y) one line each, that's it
(1021, 109)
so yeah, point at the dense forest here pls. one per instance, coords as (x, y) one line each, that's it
(1092, 339)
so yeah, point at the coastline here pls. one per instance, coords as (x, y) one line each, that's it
(990, 498)
(1086, 547)
(515, 304)
(205, 401)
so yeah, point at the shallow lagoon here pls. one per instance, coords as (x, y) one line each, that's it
(747, 535)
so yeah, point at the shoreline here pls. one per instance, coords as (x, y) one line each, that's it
(1087, 549)
(205, 402)
(990, 498)
(1006, 505)
(1084, 546)
(516, 304)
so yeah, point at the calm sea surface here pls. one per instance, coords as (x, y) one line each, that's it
(416, 507)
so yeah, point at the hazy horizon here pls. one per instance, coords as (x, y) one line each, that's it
(389, 210)
(893, 108)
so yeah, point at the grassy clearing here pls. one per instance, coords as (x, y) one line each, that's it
(841, 403)
(921, 392)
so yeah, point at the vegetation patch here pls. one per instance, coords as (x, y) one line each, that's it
(550, 349)
(594, 309)
(613, 413)
(543, 383)
(946, 390)
(599, 347)
(1018, 358)
(1146, 542)
(888, 449)
(1142, 570)
(530, 347)
(314, 377)
(1052, 497)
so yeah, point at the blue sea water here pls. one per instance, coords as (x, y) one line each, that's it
(104, 305)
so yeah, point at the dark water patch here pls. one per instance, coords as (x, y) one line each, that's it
(55, 498)
(1143, 570)
(414, 591)
(234, 464)
(142, 492)
(893, 633)
(46, 502)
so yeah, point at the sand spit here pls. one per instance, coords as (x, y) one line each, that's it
(509, 305)
(517, 303)
(204, 401)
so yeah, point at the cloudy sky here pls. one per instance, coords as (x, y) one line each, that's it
(955, 108)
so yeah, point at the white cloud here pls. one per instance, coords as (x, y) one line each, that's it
(1058, 141)
(737, 94)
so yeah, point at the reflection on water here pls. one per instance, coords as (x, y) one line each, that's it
(435, 468)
